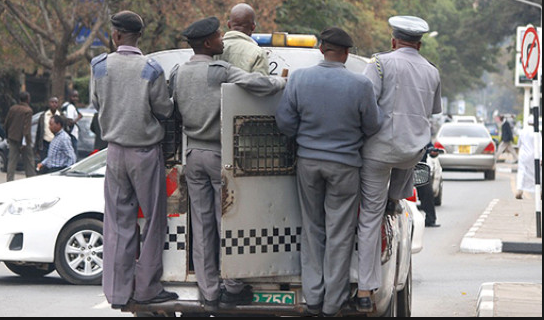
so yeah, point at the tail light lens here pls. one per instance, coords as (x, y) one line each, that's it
(413, 198)
(490, 149)
(438, 145)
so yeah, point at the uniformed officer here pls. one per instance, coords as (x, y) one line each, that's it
(131, 95)
(408, 91)
(330, 110)
(196, 89)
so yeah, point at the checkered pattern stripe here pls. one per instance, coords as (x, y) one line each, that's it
(175, 238)
(256, 241)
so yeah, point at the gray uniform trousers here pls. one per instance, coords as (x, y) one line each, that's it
(329, 198)
(135, 177)
(379, 181)
(203, 174)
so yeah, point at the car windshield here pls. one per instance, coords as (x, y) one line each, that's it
(464, 132)
(93, 166)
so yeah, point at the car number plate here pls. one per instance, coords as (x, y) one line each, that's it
(465, 150)
(283, 297)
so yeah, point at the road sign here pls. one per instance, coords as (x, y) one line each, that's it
(530, 53)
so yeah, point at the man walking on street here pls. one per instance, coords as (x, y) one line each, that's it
(60, 153)
(330, 110)
(408, 91)
(44, 136)
(196, 87)
(131, 95)
(18, 125)
(240, 49)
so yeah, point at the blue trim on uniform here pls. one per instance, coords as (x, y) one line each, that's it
(100, 66)
(152, 70)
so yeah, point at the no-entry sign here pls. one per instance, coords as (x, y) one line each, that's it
(530, 53)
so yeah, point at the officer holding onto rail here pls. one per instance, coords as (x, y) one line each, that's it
(196, 91)
(408, 91)
(131, 95)
(330, 110)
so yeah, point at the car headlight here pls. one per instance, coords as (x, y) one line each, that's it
(19, 207)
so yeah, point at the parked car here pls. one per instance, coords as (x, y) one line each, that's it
(45, 228)
(467, 147)
(437, 179)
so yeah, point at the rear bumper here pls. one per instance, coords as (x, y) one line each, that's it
(467, 162)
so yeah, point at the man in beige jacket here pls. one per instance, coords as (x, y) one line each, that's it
(240, 49)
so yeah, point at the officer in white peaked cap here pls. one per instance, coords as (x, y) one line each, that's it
(408, 91)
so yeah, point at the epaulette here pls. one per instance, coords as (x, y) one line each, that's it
(99, 59)
(152, 70)
(99, 66)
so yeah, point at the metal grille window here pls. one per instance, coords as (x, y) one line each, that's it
(260, 149)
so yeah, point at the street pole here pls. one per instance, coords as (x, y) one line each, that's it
(537, 146)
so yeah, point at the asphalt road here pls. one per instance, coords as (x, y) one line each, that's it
(446, 281)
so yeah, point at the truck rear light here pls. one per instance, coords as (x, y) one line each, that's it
(413, 198)
(490, 149)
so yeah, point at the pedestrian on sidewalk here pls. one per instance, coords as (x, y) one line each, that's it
(18, 124)
(526, 164)
(507, 139)
(60, 153)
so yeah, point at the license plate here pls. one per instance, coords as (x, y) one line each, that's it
(283, 297)
(465, 150)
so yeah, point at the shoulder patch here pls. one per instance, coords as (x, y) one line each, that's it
(99, 66)
(152, 70)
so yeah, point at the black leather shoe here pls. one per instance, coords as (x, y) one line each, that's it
(211, 306)
(364, 305)
(314, 310)
(230, 300)
(118, 306)
(432, 225)
(164, 296)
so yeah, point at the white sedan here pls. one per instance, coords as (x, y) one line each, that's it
(54, 222)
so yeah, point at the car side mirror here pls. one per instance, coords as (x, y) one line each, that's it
(422, 174)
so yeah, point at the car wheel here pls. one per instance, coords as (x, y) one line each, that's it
(438, 198)
(489, 175)
(404, 297)
(79, 252)
(3, 162)
(33, 271)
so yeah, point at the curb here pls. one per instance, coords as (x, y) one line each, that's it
(469, 244)
(486, 300)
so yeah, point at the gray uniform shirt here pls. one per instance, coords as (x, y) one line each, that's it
(131, 95)
(408, 91)
(196, 90)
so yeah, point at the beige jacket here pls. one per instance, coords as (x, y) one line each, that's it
(243, 52)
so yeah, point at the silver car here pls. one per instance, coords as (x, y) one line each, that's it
(468, 147)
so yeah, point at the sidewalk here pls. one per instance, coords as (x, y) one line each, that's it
(507, 225)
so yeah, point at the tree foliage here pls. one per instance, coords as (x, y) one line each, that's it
(39, 34)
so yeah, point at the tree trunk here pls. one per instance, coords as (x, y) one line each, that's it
(58, 81)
